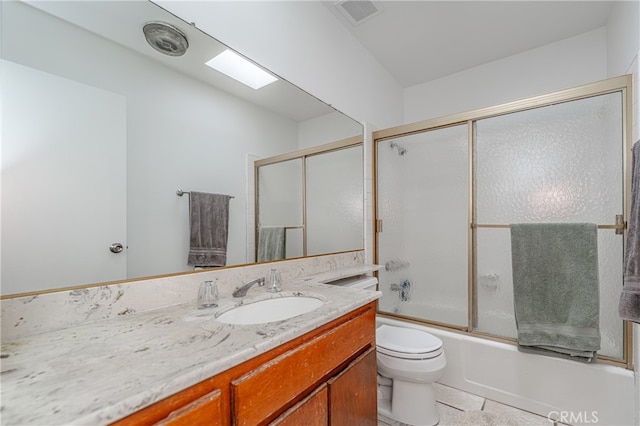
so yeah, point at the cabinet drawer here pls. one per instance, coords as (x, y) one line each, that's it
(204, 411)
(311, 411)
(263, 392)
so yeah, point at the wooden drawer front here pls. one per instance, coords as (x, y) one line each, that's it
(258, 395)
(353, 394)
(204, 411)
(311, 411)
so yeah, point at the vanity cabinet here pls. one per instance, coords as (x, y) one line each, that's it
(203, 411)
(311, 411)
(326, 376)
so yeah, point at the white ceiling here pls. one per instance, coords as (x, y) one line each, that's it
(419, 41)
(416, 41)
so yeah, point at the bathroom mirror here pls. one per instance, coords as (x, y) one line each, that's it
(310, 202)
(100, 130)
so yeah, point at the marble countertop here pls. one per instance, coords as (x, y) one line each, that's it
(101, 371)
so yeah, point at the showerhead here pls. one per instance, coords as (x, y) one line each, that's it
(401, 150)
(165, 38)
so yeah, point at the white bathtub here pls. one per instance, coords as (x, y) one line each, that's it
(575, 393)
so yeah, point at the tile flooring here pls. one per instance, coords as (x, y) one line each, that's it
(452, 403)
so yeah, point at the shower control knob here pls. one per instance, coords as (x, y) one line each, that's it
(116, 247)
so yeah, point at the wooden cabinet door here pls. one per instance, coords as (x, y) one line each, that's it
(204, 411)
(311, 411)
(276, 385)
(353, 393)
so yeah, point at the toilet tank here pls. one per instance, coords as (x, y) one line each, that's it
(360, 281)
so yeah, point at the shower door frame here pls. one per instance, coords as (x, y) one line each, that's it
(620, 85)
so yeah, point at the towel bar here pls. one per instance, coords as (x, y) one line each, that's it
(180, 193)
(619, 227)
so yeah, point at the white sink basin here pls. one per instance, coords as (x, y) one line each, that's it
(270, 310)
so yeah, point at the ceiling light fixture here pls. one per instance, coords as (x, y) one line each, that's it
(239, 68)
(166, 38)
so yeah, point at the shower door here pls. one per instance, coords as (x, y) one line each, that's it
(447, 189)
(559, 163)
(422, 188)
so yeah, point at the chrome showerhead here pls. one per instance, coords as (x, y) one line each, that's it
(401, 150)
(165, 38)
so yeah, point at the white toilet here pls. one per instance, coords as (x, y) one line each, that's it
(410, 360)
(413, 359)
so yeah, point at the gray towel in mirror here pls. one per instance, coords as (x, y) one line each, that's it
(209, 221)
(271, 243)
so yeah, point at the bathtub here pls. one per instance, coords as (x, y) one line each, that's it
(570, 391)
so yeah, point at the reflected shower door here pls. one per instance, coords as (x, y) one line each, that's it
(335, 209)
(559, 163)
(280, 203)
(422, 200)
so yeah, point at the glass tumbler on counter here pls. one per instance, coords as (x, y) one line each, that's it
(274, 281)
(207, 295)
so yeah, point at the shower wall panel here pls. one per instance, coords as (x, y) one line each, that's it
(422, 197)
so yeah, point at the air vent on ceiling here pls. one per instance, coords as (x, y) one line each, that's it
(358, 11)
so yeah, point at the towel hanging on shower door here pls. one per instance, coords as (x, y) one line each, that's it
(556, 289)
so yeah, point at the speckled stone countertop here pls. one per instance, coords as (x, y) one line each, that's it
(99, 372)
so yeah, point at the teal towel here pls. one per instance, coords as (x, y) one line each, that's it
(555, 289)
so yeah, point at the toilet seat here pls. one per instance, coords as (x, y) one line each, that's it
(407, 343)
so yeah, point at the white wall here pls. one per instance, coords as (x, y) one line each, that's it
(623, 38)
(304, 43)
(327, 128)
(567, 63)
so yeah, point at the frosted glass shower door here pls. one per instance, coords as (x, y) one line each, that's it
(335, 201)
(560, 163)
(422, 200)
(280, 202)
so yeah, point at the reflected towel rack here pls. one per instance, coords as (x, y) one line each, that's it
(285, 227)
(619, 226)
(180, 193)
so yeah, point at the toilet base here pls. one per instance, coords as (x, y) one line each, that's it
(411, 403)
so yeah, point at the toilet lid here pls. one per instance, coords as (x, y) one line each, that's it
(408, 341)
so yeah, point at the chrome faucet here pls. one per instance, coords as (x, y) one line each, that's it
(241, 290)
